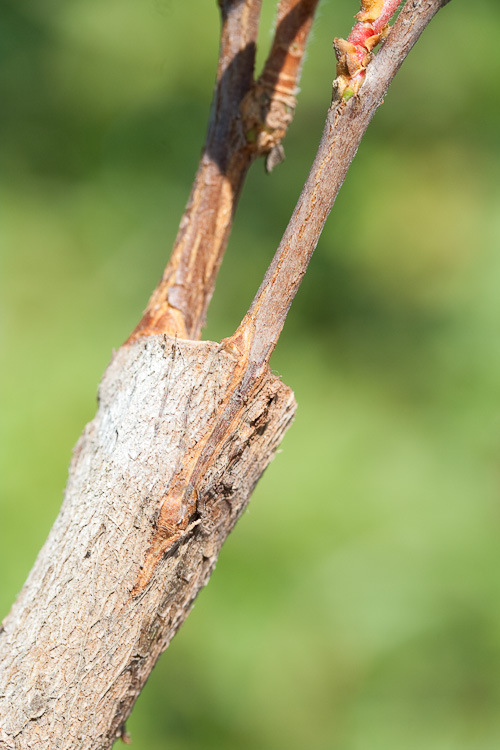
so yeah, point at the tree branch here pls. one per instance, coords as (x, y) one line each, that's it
(247, 120)
(158, 479)
(178, 304)
(269, 109)
(345, 126)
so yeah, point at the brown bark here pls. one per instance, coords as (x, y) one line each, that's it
(248, 119)
(183, 432)
(345, 126)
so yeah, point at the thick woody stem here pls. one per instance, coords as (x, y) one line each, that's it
(248, 120)
(270, 107)
(158, 480)
(345, 126)
(160, 476)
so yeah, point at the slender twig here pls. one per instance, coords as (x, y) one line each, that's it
(346, 124)
(354, 53)
(178, 304)
(248, 120)
(270, 108)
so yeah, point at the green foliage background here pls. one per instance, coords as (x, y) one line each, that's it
(357, 604)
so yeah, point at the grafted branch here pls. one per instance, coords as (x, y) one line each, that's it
(184, 429)
(247, 120)
(269, 108)
(345, 126)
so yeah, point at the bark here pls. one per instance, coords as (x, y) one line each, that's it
(345, 125)
(158, 479)
(248, 119)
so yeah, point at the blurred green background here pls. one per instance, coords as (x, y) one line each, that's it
(373, 621)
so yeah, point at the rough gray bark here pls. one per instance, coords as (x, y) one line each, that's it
(157, 481)
(182, 434)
